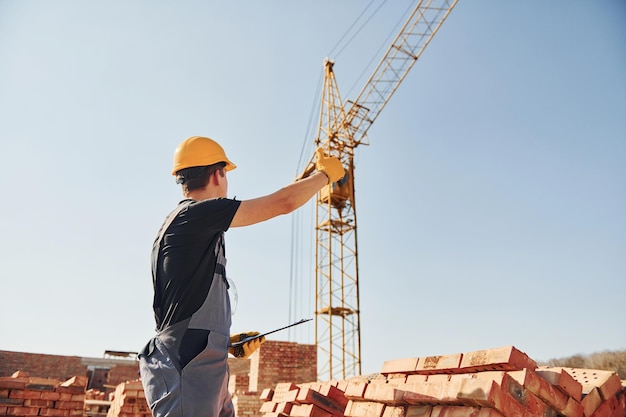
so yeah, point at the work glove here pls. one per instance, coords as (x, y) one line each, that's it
(246, 349)
(329, 165)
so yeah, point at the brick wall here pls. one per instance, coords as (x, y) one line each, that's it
(122, 373)
(277, 362)
(50, 366)
(23, 395)
(247, 405)
(100, 373)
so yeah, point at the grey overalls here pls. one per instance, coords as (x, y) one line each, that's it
(200, 389)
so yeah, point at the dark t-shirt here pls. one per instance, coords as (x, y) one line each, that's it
(185, 266)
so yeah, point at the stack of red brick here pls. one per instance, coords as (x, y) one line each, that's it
(129, 400)
(23, 395)
(501, 382)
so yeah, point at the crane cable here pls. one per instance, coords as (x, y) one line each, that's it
(307, 146)
(367, 68)
(352, 25)
(297, 299)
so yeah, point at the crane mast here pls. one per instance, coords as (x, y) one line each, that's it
(342, 128)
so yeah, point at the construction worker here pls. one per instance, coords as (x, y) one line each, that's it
(184, 368)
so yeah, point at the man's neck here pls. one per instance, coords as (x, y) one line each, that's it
(207, 193)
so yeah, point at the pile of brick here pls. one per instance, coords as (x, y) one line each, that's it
(95, 394)
(501, 382)
(311, 399)
(96, 403)
(23, 395)
(129, 400)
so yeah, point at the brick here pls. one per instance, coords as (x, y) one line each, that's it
(396, 379)
(536, 406)
(284, 392)
(394, 411)
(65, 396)
(288, 396)
(11, 401)
(68, 405)
(53, 412)
(404, 366)
(562, 380)
(74, 385)
(606, 408)
(75, 381)
(621, 401)
(438, 378)
(511, 386)
(133, 393)
(19, 393)
(44, 381)
(310, 396)
(39, 403)
(356, 390)
(22, 411)
(312, 385)
(418, 411)
(607, 382)
(413, 379)
(69, 390)
(268, 407)
(13, 383)
(308, 410)
(438, 364)
(432, 393)
(385, 393)
(39, 387)
(364, 409)
(335, 394)
(460, 411)
(126, 386)
(342, 385)
(285, 387)
(50, 396)
(266, 394)
(487, 393)
(376, 379)
(541, 388)
(81, 398)
(283, 408)
(421, 394)
(591, 401)
(506, 358)
(573, 409)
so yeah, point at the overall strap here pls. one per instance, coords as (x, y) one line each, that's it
(170, 218)
(156, 246)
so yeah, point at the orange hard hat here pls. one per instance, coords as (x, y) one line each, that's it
(198, 151)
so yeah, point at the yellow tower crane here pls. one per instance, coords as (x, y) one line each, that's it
(343, 127)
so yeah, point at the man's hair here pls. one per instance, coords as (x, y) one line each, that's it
(195, 178)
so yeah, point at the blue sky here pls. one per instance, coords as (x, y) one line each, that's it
(490, 201)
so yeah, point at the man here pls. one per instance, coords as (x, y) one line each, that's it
(184, 368)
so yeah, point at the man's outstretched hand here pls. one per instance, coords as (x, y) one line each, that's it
(329, 165)
(245, 349)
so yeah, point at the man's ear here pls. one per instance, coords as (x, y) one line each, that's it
(216, 178)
